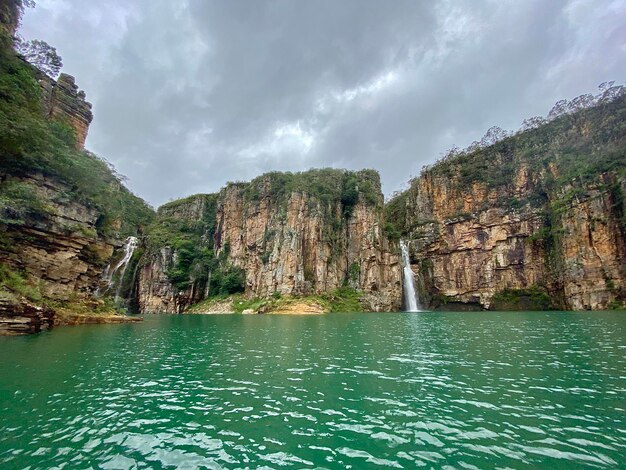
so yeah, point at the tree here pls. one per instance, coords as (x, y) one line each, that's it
(581, 102)
(533, 123)
(559, 109)
(494, 134)
(41, 54)
(609, 91)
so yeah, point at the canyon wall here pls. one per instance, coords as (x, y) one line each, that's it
(180, 225)
(285, 234)
(299, 244)
(539, 215)
(64, 215)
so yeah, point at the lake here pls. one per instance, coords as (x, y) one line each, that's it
(367, 390)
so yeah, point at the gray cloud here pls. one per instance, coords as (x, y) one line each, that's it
(190, 94)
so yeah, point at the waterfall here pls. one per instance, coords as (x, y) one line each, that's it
(130, 245)
(408, 278)
(129, 248)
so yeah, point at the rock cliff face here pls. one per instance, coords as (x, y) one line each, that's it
(62, 251)
(63, 213)
(467, 245)
(592, 245)
(535, 212)
(185, 222)
(63, 100)
(286, 238)
(297, 246)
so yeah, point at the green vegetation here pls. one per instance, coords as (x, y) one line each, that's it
(565, 155)
(533, 298)
(239, 303)
(329, 186)
(396, 216)
(344, 299)
(15, 284)
(580, 144)
(31, 144)
(187, 226)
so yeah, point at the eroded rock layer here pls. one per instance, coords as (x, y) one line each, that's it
(302, 244)
(539, 214)
(285, 234)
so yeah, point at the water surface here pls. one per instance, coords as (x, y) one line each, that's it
(469, 390)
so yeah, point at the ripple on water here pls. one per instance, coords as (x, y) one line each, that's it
(469, 390)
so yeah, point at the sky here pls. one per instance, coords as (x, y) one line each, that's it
(190, 94)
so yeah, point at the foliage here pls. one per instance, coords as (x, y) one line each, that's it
(40, 54)
(178, 227)
(341, 300)
(532, 298)
(396, 215)
(582, 137)
(330, 187)
(344, 299)
(32, 144)
(17, 284)
(564, 153)
(354, 272)
(11, 11)
(19, 201)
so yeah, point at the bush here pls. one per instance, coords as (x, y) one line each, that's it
(532, 298)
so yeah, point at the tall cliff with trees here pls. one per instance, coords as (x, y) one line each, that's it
(64, 212)
(534, 219)
(283, 234)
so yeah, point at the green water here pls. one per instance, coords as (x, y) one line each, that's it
(469, 390)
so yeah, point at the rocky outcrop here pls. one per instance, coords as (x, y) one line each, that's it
(592, 245)
(193, 216)
(156, 293)
(60, 251)
(299, 247)
(286, 235)
(530, 213)
(467, 246)
(10, 11)
(63, 100)
(22, 317)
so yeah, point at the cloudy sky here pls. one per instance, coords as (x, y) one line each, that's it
(190, 94)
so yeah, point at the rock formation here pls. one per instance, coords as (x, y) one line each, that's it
(63, 212)
(542, 210)
(288, 238)
(63, 100)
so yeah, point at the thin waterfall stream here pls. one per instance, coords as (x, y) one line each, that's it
(108, 276)
(411, 301)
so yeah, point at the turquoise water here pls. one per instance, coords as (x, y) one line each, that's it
(469, 390)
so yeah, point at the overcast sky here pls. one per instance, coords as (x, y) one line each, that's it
(190, 94)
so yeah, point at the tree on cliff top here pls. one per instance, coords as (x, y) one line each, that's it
(41, 54)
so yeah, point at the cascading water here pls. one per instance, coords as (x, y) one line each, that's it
(408, 278)
(129, 249)
(109, 273)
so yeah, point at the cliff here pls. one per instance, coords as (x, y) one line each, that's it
(64, 214)
(533, 221)
(281, 234)
(62, 100)
(174, 271)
